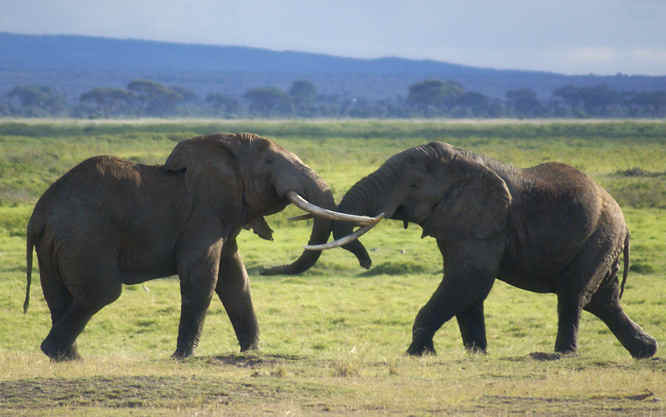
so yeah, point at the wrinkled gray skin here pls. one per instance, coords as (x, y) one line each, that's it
(547, 229)
(109, 222)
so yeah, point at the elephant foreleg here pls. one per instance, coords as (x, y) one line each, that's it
(460, 293)
(469, 274)
(473, 328)
(198, 278)
(233, 288)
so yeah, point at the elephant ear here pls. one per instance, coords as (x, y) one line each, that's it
(179, 159)
(212, 178)
(476, 205)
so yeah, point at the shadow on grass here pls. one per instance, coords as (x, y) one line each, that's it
(639, 172)
(396, 268)
(246, 360)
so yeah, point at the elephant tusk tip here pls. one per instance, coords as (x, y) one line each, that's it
(301, 217)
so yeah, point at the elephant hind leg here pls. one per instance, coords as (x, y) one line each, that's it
(60, 344)
(584, 276)
(60, 302)
(57, 297)
(605, 305)
(73, 305)
(568, 318)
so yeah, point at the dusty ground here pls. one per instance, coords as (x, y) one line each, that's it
(284, 385)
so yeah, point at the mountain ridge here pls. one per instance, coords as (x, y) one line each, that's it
(75, 63)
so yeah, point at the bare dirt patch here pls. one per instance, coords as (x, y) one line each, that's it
(112, 392)
(141, 392)
(645, 403)
(248, 360)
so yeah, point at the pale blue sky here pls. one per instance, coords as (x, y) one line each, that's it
(567, 36)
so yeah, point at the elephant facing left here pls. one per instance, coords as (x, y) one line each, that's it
(109, 222)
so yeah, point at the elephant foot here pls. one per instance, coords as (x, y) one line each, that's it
(566, 352)
(421, 349)
(566, 348)
(249, 338)
(59, 354)
(646, 349)
(475, 347)
(475, 350)
(251, 346)
(179, 356)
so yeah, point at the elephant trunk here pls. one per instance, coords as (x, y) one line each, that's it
(367, 197)
(317, 192)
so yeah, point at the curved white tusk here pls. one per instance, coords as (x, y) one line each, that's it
(344, 240)
(306, 216)
(303, 204)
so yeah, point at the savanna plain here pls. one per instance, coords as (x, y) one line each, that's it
(333, 339)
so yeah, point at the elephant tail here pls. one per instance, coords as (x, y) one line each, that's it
(30, 243)
(626, 263)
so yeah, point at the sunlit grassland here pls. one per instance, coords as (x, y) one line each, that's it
(332, 339)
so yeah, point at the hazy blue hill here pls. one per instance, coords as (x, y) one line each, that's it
(60, 52)
(77, 63)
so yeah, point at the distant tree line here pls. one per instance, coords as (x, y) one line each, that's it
(429, 98)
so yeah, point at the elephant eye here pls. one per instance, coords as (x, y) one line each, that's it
(413, 186)
(269, 161)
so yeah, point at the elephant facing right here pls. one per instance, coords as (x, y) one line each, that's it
(547, 228)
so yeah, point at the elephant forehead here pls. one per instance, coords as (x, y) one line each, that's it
(237, 142)
(288, 155)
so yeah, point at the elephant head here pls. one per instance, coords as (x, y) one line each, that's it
(245, 177)
(450, 192)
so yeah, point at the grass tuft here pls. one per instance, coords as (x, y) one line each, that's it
(346, 369)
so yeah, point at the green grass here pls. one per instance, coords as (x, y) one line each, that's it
(333, 339)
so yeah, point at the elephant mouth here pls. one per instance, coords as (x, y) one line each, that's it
(403, 214)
